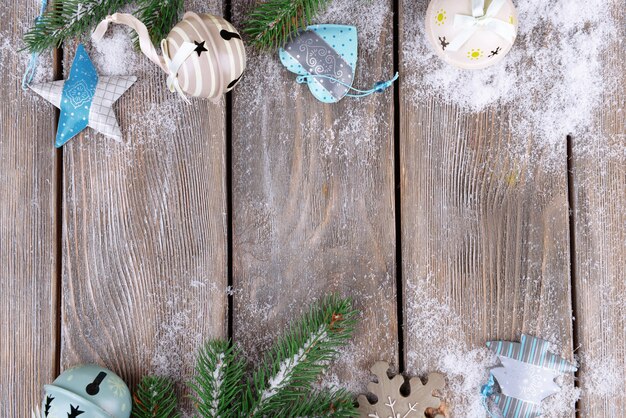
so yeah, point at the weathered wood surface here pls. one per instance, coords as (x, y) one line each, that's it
(599, 180)
(28, 235)
(145, 234)
(484, 229)
(144, 226)
(313, 206)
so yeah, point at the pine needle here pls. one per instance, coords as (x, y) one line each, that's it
(159, 16)
(218, 383)
(337, 404)
(295, 362)
(154, 398)
(75, 19)
(273, 23)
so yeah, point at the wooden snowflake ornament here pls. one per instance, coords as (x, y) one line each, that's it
(392, 403)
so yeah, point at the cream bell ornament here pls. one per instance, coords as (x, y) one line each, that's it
(471, 34)
(203, 55)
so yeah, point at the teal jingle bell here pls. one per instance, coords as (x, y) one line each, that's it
(87, 391)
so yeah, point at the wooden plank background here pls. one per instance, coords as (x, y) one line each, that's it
(145, 234)
(484, 231)
(309, 220)
(132, 271)
(599, 201)
(28, 232)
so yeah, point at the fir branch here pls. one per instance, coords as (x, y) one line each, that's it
(271, 24)
(159, 16)
(69, 19)
(300, 356)
(218, 385)
(337, 404)
(154, 398)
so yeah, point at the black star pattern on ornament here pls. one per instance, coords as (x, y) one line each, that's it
(444, 43)
(49, 400)
(200, 47)
(74, 412)
(494, 53)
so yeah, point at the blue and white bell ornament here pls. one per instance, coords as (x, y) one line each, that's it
(87, 391)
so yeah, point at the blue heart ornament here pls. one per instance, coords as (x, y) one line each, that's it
(324, 57)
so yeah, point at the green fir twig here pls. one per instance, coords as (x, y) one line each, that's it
(298, 358)
(271, 24)
(336, 404)
(217, 386)
(154, 398)
(71, 19)
(282, 385)
(159, 16)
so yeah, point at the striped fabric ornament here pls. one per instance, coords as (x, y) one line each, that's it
(203, 55)
(525, 378)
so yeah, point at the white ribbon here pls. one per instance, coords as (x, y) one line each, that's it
(170, 66)
(481, 20)
(173, 65)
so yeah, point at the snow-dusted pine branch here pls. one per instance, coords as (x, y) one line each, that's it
(217, 384)
(299, 357)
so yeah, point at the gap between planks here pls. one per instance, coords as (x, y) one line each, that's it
(230, 315)
(571, 202)
(397, 186)
(57, 286)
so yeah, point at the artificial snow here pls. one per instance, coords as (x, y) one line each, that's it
(218, 377)
(552, 82)
(287, 367)
(115, 53)
(439, 328)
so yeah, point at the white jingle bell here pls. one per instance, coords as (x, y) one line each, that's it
(203, 55)
(471, 34)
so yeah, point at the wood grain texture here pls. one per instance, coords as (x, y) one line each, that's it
(599, 181)
(484, 227)
(313, 206)
(28, 253)
(144, 234)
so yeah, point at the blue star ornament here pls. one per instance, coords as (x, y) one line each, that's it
(85, 99)
(526, 376)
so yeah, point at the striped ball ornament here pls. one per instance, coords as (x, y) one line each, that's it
(218, 61)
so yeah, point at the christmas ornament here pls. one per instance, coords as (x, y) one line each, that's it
(525, 378)
(466, 34)
(87, 391)
(324, 57)
(392, 403)
(203, 55)
(85, 99)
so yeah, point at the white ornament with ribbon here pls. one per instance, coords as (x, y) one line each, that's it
(471, 34)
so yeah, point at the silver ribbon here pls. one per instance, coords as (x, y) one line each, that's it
(481, 20)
